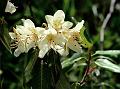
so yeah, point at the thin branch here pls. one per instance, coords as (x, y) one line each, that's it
(87, 68)
(105, 23)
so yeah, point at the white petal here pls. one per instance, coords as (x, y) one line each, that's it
(39, 31)
(28, 23)
(10, 7)
(20, 29)
(59, 15)
(44, 49)
(49, 19)
(59, 40)
(21, 46)
(63, 51)
(79, 26)
(67, 24)
(50, 31)
(17, 52)
(12, 35)
(30, 44)
(73, 45)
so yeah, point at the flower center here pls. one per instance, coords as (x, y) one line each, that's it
(57, 24)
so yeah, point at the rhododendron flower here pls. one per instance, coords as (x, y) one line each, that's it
(57, 35)
(25, 37)
(10, 7)
(51, 40)
(21, 42)
(57, 21)
(73, 37)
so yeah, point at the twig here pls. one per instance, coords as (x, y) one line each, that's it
(87, 68)
(105, 23)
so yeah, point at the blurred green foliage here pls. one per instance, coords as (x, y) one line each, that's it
(12, 68)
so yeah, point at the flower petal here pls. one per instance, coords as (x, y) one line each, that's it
(28, 23)
(73, 45)
(59, 16)
(59, 40)
(12, 35)
(49, 19)
(44, 49)
(39, 31)
(50, 31)
(63, 51)
(17, 52)
(10, 7)
(67, 24)
(78, 26)
(20, 29)
(21, 46)
(29, 44)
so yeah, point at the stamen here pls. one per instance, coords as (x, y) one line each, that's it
(13, 46)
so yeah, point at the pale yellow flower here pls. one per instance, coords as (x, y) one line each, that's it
(25, 37)
(73, 36)
(10, 7)
(57, 21)
(57, 35)
(51, 40)
(20, 42)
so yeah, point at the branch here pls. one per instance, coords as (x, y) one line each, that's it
(105, 23)
(87, 68)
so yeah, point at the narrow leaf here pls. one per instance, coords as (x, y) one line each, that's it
(112, 53)
(41, 77)
(4, 36)
(62, 83)
(108, 65)
(70, 61)
(31, 63)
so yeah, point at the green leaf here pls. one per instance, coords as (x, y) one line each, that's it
(111, 53)
(83, 40)
(66, 5)
(47, 73)
(72, 10)
(27, 12)
(4, 34)
(41, 76)
(59, 80)
(62, 82)
(70, 61)
(31, 63)
(108, 65)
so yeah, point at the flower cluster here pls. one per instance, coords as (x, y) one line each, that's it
(58, 34)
